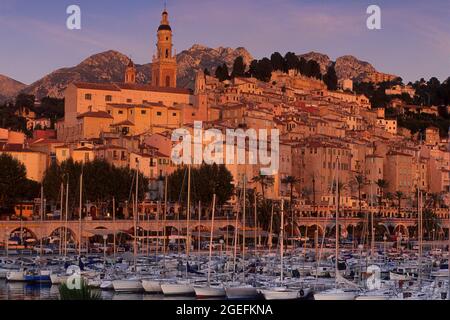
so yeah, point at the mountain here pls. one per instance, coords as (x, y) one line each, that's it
(347, 67)
(201, 57)
(110, 66)
(9, 88)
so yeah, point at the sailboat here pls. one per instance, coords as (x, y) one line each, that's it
(210, 290)
(132, 283)
(237, 290)
(336, 293)
(182, 287)
(281, 293)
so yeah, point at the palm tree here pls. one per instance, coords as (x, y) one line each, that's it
(264, 181)
(399, 196)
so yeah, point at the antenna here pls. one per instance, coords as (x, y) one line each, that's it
(165, 5)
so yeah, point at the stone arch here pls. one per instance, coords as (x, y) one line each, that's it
(330, 230)
(200, 227)
(400, 227)
(71, 235)
(27, 233)
(172, 230)
(310, 229)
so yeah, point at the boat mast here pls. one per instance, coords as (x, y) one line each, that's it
(80, 212)
(188, 213)
(67, 217)
(282, 239)
(211, 238)
(256, 224)
(336, 262)
(135, 214)
(61, 219)
(244, 226)
(165, 218)
(114, 224)
(42, 216)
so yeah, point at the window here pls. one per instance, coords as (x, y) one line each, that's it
(129, 100)
(174, 114)
(120, 112)
(108, 98)
(159, 114)
(143, 112)
(88, 96)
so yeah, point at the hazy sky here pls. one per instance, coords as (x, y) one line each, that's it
(414, 41)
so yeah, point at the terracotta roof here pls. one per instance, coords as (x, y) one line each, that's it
(123, 123)
(146, 87)
(96, 86)
(95, 114)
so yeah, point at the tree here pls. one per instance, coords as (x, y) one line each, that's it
(330, 78)
(238, 67)
(222, 73)
(314, 70)
(264, 70)
(265, 182)
(278, 62)
(25, 100)
(205, 181)
(14, 184)
(101, 182)
(291, 61)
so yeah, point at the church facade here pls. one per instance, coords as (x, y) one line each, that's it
(133, 108)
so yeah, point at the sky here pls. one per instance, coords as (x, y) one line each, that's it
(414, 41)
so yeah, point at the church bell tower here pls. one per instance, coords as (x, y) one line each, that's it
(164, 64)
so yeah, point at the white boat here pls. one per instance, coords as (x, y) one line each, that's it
(241, 292)
(372, 297)
(129, 285)
(58, 279)
(106, 285)
(15, 275)
(280, 293)
(152, 286)
(212, 291)
(335, 294)
(177, 289)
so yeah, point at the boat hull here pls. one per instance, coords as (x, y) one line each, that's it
(241, 293)
(177, 289)
(152, 286)
(210, 292)
(127, 285)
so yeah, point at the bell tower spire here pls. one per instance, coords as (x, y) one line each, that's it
(164, 66)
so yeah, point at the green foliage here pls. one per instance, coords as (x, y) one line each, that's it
(25, 100)
(101, 181)
(278, 62)
(10, 121)
(238, 67)
(222, 73)
(84, 293)
(14, 184)
(330, 78)
(205, 181)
